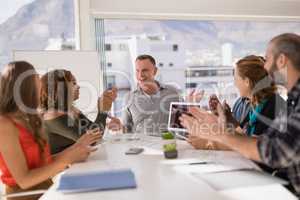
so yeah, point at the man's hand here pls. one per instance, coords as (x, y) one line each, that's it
(198, 143)
(202, 124)
(207, 126)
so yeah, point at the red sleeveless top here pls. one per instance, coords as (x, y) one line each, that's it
(32, 154)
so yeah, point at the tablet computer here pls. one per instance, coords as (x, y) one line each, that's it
(176, 110)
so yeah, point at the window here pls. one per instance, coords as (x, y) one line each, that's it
(51, 27)
(208, 50)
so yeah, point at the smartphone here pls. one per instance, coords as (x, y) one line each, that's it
(134, 151)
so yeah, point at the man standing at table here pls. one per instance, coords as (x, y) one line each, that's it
(279, 146)
(147, 107)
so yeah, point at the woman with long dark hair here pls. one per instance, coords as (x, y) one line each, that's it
(25, 160)
(64, 123)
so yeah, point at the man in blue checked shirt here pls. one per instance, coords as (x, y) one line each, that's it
(279, 147)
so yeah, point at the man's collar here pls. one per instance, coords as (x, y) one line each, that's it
(294, 93)
(160, 85)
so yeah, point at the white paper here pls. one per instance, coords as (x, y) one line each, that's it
(186, 161)
(238, 179)
(208, 168)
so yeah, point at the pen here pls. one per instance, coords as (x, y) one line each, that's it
(201, 163)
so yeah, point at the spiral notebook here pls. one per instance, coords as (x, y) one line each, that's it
(100, 180)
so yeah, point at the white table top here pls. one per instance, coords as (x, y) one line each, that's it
(157, 181)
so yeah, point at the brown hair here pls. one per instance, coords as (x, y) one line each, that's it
(145, 57)
(289, 45)
(19, 93)
(261, 85)
(55, 91)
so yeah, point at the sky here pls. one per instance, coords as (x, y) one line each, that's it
(9, 7)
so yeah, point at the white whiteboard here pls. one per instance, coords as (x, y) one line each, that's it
(85, 65)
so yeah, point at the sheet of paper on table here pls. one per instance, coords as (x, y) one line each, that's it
(238, 179)
(209, 168)
(210, 162)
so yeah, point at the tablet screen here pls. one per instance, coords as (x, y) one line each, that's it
(176, 110)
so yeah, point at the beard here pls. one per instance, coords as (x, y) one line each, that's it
(277, 76)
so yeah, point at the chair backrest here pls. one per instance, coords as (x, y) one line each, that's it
(23, 194)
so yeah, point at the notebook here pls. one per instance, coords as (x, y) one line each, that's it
(100, 180)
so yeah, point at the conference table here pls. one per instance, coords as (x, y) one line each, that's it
(157, 177)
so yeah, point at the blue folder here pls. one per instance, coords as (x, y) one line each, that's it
(91, 181)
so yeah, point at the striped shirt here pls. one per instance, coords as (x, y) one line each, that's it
(279, 147)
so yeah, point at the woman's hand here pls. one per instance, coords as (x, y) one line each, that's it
(195, 97)
(213, 104)
(106, 100)
(91, 136)
(223, 111)
(226, 117)
(81, 150)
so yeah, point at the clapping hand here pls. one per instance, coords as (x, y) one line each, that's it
(226, 117)
(213, 104)
(195, 97)
(197, 143)
(202, 124)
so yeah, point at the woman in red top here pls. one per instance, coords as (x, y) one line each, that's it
(25, 160)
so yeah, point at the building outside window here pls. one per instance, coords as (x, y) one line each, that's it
(196, 51)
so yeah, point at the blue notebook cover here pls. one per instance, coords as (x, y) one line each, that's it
(90, 181)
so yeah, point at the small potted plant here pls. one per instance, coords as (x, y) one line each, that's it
(169, 145)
